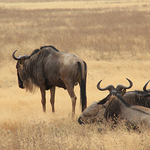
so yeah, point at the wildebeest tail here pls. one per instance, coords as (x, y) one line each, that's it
(83, 70)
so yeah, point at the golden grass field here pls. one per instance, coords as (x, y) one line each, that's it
(113, 37)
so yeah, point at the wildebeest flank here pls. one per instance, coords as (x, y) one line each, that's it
(47, 68)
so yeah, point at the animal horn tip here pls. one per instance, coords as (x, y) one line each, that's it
(130, 81)
(144, 88)
(13, 55)
(99, 84)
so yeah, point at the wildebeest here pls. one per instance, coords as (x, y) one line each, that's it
(117, 106)
(95, 112)
(133, 113)
(47, 68)
(141, 98)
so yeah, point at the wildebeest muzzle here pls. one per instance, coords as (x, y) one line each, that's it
(20, 83)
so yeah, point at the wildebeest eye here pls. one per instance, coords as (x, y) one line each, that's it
(21, 62)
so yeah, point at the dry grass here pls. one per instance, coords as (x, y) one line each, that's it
(115, 43)
(70, 4)
(67, 134)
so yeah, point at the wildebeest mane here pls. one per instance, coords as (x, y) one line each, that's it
(139, 92)
(37, 50)
(143, 93)
(34, 52)
(50, 47)
(35, 65)
(113, 109)
(141, 98)
(29, 85)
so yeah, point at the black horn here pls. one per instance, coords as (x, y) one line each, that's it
(19, 57)
(144, 88)
(109, 87)
(16, 58)
(120, 87)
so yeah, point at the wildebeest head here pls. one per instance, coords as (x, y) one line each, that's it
(121, 89)
(112, 105)
(23, 77)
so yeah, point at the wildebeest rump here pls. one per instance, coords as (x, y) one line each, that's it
(95, 112)
(137, 97)
(47, 68)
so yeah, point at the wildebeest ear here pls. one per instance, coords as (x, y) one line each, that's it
(103, 101)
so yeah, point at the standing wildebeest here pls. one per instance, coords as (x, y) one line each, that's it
(95, 112)
(141, 98)
(47, 68)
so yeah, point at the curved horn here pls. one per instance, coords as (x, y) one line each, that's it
(16, 58)
(144, 88)
(109, 87)
(120, 87)
(19, 57)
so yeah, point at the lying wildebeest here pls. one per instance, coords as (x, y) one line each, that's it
(95, 112)
(141, 98)
(47, 68)
(117, 106)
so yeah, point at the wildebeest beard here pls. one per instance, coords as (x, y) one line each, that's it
(29, 86)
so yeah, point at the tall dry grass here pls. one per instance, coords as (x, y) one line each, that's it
(115, 44)
(67, 134)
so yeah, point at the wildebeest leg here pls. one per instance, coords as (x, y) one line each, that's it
(73, 98)
(52, 99)
(43, 101)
